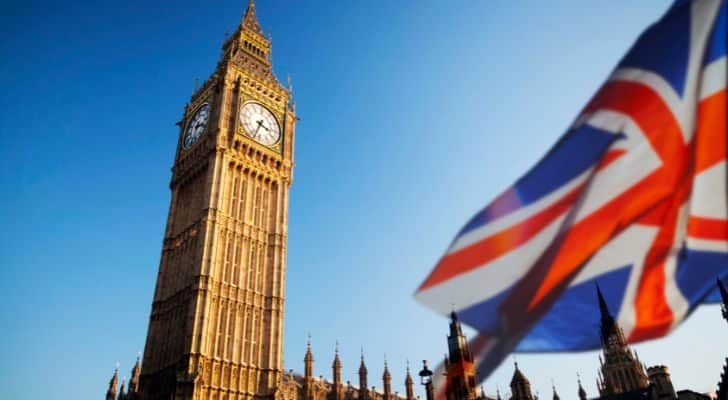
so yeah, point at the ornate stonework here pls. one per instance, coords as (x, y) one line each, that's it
(216, 326)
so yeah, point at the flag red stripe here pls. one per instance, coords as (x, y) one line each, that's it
(500, 243)
(708, 228)
(711, 132)
(507, 240)
(653, 116)
(653, 316)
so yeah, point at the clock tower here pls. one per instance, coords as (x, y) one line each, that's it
(216, 325)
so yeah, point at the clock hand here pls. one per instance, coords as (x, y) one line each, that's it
(260, 123)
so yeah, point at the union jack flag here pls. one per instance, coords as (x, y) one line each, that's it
(634, 196)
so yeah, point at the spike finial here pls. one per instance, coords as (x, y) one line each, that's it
(724, 297)
(603, 308)
(250, 21)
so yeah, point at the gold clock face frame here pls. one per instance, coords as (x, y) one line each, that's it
(260, 124)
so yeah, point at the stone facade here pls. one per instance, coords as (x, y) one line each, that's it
(216, 325)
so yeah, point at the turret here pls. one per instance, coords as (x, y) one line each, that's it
(363, 388)
(111, 392)
(133, 389)
(308, 378)
(459, 366)
(409, 385)
(337, 392)
(336, 366)
(457, 343)
(659, 377)
(387, 381)
(308, 361)
(520, 386)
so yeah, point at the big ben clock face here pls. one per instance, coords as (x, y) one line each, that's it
(260, 124)
(196, 125)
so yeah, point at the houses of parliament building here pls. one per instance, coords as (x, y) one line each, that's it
(216, 325)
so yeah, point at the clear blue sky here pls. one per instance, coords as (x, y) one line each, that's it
(413, 116)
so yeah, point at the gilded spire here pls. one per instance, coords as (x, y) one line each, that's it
(250, 21)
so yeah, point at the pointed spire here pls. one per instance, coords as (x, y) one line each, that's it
(135, 373)
(387, 380)
(250, 21)
(582, 392)
(520, 386)
(723, 292)
(309, 354)
(362, 365)
(122, 390)
(517, 374)
(337, 361)
(308, 360)
(336, 366)
(602, 303)
(724, 297)
(553, 387)
(363, 391)
(111, 393)
(608, 324)
(409, 384)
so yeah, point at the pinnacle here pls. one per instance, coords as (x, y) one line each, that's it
(602, 303)
(250, 21)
